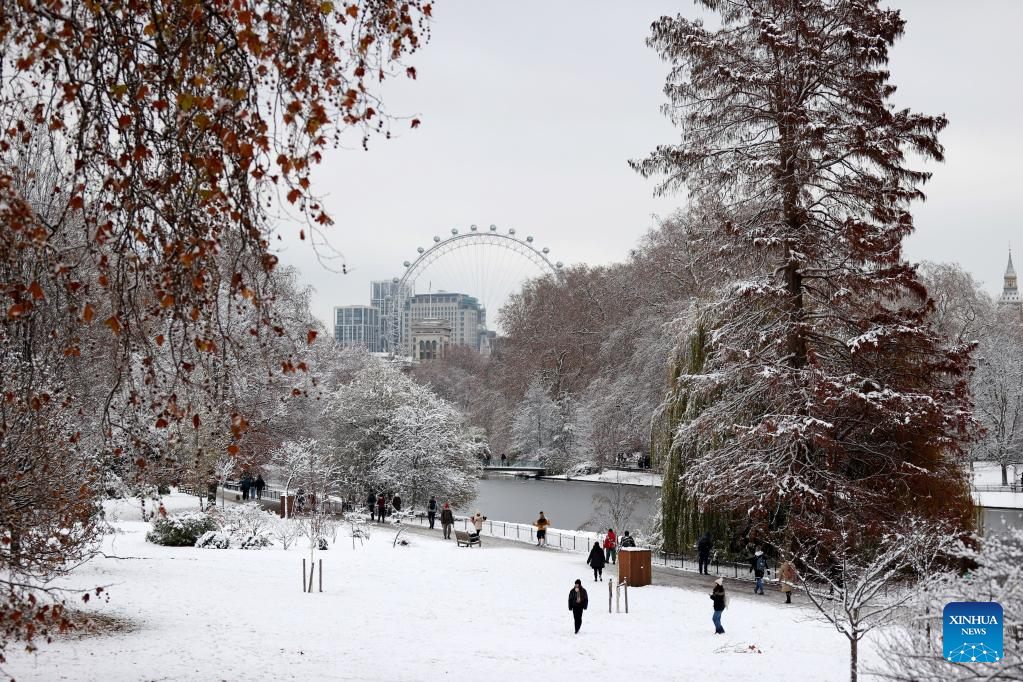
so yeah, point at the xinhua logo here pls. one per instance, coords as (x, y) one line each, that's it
(972, 631)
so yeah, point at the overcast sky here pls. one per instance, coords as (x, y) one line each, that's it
(531, 110)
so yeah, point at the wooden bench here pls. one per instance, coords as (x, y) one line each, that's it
(463, 539)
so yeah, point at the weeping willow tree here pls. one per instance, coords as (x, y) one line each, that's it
(682, 520)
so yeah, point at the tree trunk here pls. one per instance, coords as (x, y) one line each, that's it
(1005, 474)
(853, 657)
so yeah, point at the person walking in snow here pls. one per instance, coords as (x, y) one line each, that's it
(758, 567)
(447, 520)
(596, 562)
(628, 540)
(541, 530)
(578, 600)
(259, 485)
(246, 484)
(381, 507)
(371, 502)
(717, 596)
(396, 502)
(477, 523)
(431, 510)
(787, 575)
(703, 548)
(610, 547)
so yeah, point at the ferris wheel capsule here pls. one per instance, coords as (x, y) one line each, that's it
(395, 280)
(420, 249)
(493, 228)
(454, 231)
(511, 231)
(559, 264)
(436, 238)
(529, 239)
(406, 264)
(545, 250)
(473, 228)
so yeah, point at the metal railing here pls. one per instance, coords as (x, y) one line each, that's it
(992, 488)
(582, 541)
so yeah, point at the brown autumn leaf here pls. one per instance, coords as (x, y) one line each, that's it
(311, 336)
(114, 324)
(88, 312)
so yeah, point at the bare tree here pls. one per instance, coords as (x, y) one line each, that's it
(859, 586)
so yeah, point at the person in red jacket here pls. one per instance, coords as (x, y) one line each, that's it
(610, 547)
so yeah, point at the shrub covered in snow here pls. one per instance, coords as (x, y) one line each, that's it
(213, 539)
(180, 531)
(247, 525)
(256, 542)
(286, 531)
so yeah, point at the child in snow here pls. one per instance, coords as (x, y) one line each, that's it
(596, 562)
(758, 567)
(718, 597)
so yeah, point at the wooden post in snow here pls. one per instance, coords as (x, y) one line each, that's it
(303, 575)
(321, 587)
(610, 581)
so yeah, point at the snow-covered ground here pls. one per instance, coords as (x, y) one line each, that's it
(990, 473)
(626, 477)
(424, 612)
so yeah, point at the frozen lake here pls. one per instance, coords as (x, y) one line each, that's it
(570, 505)
(574, 505)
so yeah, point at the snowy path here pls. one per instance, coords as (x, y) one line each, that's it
(423, 612)
(669, 577)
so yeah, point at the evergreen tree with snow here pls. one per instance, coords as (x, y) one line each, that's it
(822, 398)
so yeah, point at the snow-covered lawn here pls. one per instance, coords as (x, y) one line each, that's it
(990, 473)
(424, 612)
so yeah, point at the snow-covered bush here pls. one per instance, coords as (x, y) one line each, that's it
(213, 539)
(244, 520)
(181, 530)
(255, 542)
(285, 531)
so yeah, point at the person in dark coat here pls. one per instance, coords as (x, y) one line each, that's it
(596, 562)
(246, 484)
(578, 600)
(371, 502)
(758, 567)
(718, 597)
(381, 507)
(628, 540)
(431, 510)
(447, 520)
(396, 502)
(259, 484)
(703, 548)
